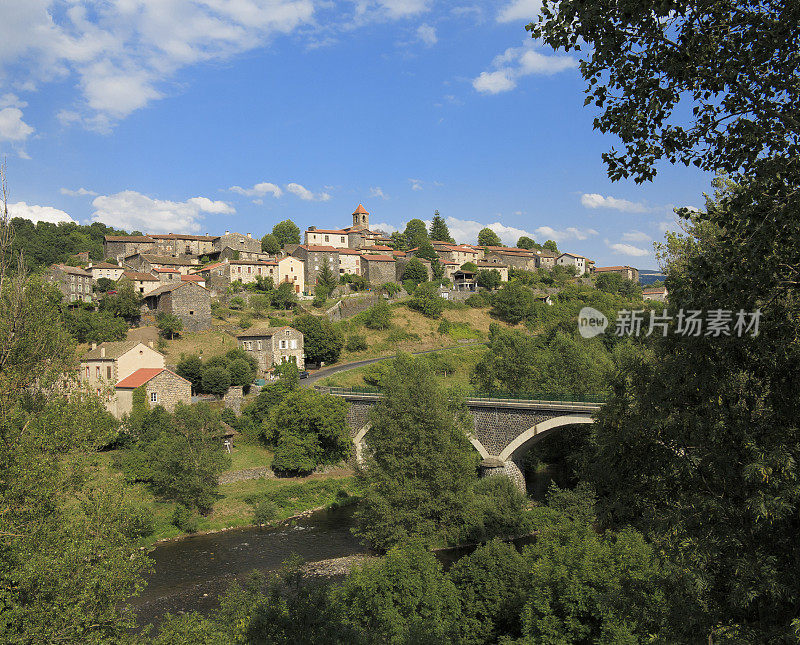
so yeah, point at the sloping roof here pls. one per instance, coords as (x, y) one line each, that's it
(654, 290)
(349, 252)
(572, 255)
(339, 231)
(166, 270)
(141, 277)
(164, 259)
(379, 247)
(170, 287)
(145, 375)
(72, 270)
(208, 267)
(378, 258)
(315, 248)
(192, 278)
(602, 269)
(128, 238)
(180, 236)
(105, 265)
(360, 210)
(113, 350)
(263, 331)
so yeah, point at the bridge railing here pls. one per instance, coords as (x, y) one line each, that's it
(548, 397)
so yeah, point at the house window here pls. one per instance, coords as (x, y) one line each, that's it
(258, 344)
(153, 397)
(327, 238)
(97, 372)
(108, 372)
(342, 239)
(283, 344)
(294, 343)
(287, 332)
(191, 312)
(87, 371)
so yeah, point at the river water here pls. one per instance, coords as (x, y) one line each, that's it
(190, 574)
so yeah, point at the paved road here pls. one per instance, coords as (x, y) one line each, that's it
(335, 369)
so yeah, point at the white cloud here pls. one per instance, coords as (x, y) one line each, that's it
(569, 233)
(522, 10)
(81, 192)
(628, 249)
(377, 191)
(427, 34)
(259, 190)
(517, 62)
(635, 236)
(416, 184)
(390, 8)
(383, 226)
(12, 127)
(467, 230)
(595, 200)
(38, 213)
(305, 194)
(133, 211)
(119, 53)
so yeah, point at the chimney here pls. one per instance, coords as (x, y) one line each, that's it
(150, 344)
(227, 232)
(102, 352)
(250, 236)
(94, 345)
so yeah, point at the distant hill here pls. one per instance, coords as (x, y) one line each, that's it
(649, 277)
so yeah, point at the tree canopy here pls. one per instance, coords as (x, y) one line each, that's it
(439, 231)
(487, 237)
(286, 232)
(271, 244)
(415, 233)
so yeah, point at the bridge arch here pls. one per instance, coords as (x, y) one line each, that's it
(358, 444)
(522, 442)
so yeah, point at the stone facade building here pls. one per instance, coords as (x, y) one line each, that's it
(349, 262)
(573, 260)
(379, 269)
(526, 260)
(162, 387)
(179, 244)
(273, 345)
(187, 300)
(146, 262)
(108, 363)
(122, 246)
(143, 283)
(502, 269)
(245, 244)
(314, 258)
(326, 237)
(625, 271)
(74, 283)
(106, 270)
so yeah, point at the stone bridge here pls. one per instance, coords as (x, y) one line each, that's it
(504, 428)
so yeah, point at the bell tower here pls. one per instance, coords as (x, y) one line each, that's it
(361, 217)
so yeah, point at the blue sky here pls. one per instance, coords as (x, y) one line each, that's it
(178, 116)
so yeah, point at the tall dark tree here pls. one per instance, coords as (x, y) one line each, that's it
(322, 341)
(526, 242)
(271, 244)
(710, 425)
(439, 231)
(551, 245)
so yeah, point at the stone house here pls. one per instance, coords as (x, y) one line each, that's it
(336, 238)
(572, 259)
(523, 259)
(162, 387)
(349, 262)
(246, 245)
(502, 269)
(448, 269)
(105, 270)
(108, 363)
(378, 269)
(167, 275)
(292, 269)
(659, 294)
(123, 246)
(178, 244)
(459, 253)
(74, 283)
(187, 300)
(625, 271)
(545, 258)
(146, 262)
(232, 254)
(143, 283)
(465, 280)
(273, 345)
(314, 258)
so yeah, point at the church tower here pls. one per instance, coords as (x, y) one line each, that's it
(361, 217)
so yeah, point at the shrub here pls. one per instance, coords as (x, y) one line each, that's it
(246, 322)
(477, 301)
(139, 522)
(444, 326)
(237, 303)
(228, 416)
(356, 343)
(184, 519)
(216, 379)
(427, 301)
(378, 316)
(264, 512)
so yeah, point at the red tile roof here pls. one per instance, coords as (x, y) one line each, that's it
(360, 210)
(192, 278)
(378, 258)
(140, 377)
(349, 252)
(601, 269)
(379, 247)
(141, 277)
(129, 238)
(323, 230)
(318, 249)
(165, 270)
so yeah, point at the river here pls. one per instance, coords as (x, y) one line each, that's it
(191, 573)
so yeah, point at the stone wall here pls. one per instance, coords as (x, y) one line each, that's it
(378, 272)
(233, 399)
(191, 303)
(350, 307)
(170, 389)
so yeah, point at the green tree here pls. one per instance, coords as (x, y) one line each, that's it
(168, 324)
(284, 296)
(378, 316)
(415, 233)
(286, 232)
(489, 279)
(259, 303)
(271, 244)
(513, 303)
(191, 368)
(216, 379)
(126, 303)
(310, 429)
(104, 284)
(525, 242)
(618, 284)
(399, 241)
(241, 372)
(550, 245)
(487, 237)
(415, 271)
(419, 465)
(322, 341)
(427, 301)
(439, 231)
(425, 250)
(326, 278)
(356, 343)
